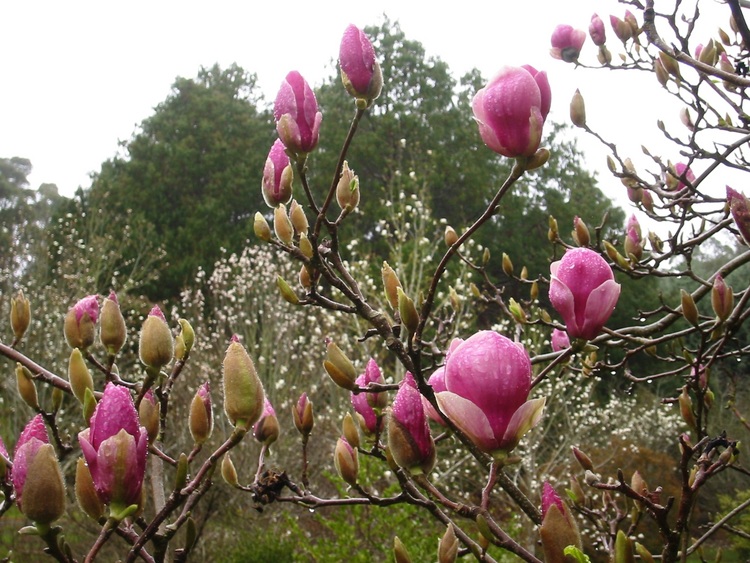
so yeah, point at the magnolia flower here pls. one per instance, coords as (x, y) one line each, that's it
(487, 381)
(596, 30)
(558, 529)
(674, 181)
(739, 206)
(115, 449)
(80, 322)
(409, 437)
(560, 340)
(296, 113)
(583, 290)
(365, 403)
(277, 176)
(360, 72)
(511, 110)
(567, 43)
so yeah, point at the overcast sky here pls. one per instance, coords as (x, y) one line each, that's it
(79, 76)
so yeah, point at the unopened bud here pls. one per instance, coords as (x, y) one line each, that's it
(534, 291)
(580, 232)
(408, 311)
(112, 331)
(638, 484)
(686, 409)
(451, 237)
(391, 285)
(339, 367)
(20, 315)
(604, 56)
(303, 415)
(298, 218)
(89, 405)
(670, 64)
(709, 54)
(200, 418)
(347, 189)
(583, 459)
(615, 256)
(686, 119)
(576, 493)
(229, 472)
(346, 461)
(722, 298)
(689, 310)
(26, 387)
(181, 473)
(507, 265)
(724, 36)
(149, 413)
(517, 311)
(188, 335)
(485, 256)
(454, 298)
(156, 347)
(243, 391)
(79, 375)
(538, 159)
(261, 228)
(553, 233)
(286, 291)
(662, 75)
(578, 110)
(304, 277)
(44, 498)
(623, 548)
(400, 554)
(305, 246)
(282, 226)
(643, 553)
(350, 431)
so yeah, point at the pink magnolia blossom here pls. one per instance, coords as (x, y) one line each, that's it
(303, 416)
(680, 170)
(115, 448)
(296, 113)
(276, 185)
(360, 72)
(80, 322)
(583, 290)
(32, 438)
(487, 381)
(739, 206)
(409, 437)
(510, 111)
(560, 340)
(596, 30)
(365, 403)
(567, 43)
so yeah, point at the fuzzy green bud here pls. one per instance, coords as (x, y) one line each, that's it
(44, 490)
(578, 110)
(156, 346)
(228, 471)
(112, 330)
(287, 293)
(347, 189)
(298, 218)
(282, 226)
(261, 228)
(243, 391)
(79, 375)
(408, 311)
(20, 315)
(350, 431)
(391, 285)
(689, 310)
(339, 367)
(26, 387)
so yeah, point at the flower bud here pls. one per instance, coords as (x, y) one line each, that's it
(298, 218)
(20, 315)
(662, 75)
(86, 495)
(391, 285)
(726, 66)
(243, 391)
(399, 551)
(228, 471)
(451, 237)
(347, 189)
(517, 311)
(339, 367)
(644, 553)
(346, 461)
(276, 185)
(670, 64)
(200, 419)
(156, 346)
(360, 72)
(296, 113)
(578, 110)
(597, 31)
(261, 228)
(583, 459)
(558, 529)
(580, 232)
(686, 409)
(604, 56)
(304, 277)
(638, 483)
(633, 246)
(553, 233)
(567, 43)
(739, 206)
(539, 159)
(149, 413)
(507, 265)
(686, 119)
(622, 29)
(79, 375)
(448, 546)
(44, 497)
(266, 430)
(282, 226)
(286, 291)
(303, 415)
(305, 246)
(188, 335)
(722, 298)
(623, 548)
(112, 330)
(26, 387)
(80, 323)
(689, 310)
(409, 437)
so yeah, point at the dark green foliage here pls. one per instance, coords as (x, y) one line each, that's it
(192, 172)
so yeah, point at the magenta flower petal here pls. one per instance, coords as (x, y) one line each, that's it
(32, 438)
(296, 113)
(469, 418)
(567, 43)
(277, 176)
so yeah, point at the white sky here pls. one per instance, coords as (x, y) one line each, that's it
(78, 76)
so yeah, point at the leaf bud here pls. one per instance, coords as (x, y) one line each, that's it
(475, 290)
(286, 291)
(26, 387)
(350, 431)
(538, 159)
(623, 548)
(517, 311)
(553, 233)
(689, 310)
(722, 298)
(86, 494)
(57, 398)
(298, 218)
(346, 461)
(524, 275)
(576, 493)
(304, 277)
(724, 36)
(282, 226)
(507, 265)
(228, 471)
(305, 246)
(20, 315)
(662, 75)
(407, 311)
(400, 554)
(149, 413)
(391, 285)
(604, 56)
(448, 546)
(583, 459)
(79, 375)
(303, 415)
(578, 110)
(451, 237)
(188, 334)
(113, 331)
(347, 189)
(261, 228)
(643, 553)
(485, 256)
(686, 409)
(638, 484)
(454, 298)
(89, 405)
(534, 291)
(670, 64)
(200, 418)
(339, 367)
(180, 478)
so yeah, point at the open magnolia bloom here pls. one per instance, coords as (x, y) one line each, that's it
(487, 381)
